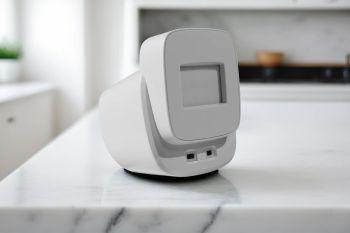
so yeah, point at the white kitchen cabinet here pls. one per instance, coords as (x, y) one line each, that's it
(26, 123)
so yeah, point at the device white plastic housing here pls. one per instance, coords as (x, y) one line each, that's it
(133, 133)
(161, 59)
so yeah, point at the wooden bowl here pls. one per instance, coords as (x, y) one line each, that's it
(269, 58)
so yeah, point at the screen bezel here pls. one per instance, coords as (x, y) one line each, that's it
(190, 47)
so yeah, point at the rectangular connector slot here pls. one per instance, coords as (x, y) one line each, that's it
(191, 157)
(209, 153)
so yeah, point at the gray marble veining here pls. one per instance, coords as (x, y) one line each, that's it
(290, 174)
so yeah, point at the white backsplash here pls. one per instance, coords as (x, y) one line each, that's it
(303, 35)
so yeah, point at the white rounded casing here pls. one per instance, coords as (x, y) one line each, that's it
(155, 121)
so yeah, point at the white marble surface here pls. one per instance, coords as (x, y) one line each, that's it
(14, 91)
(290, 174)
(295, 92)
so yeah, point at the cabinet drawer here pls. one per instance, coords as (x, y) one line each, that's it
(26, 125)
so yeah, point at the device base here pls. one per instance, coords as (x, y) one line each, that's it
(171, 178)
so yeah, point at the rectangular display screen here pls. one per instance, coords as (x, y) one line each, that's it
(202, 85)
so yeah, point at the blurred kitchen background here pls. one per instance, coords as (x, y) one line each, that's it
(57, 56)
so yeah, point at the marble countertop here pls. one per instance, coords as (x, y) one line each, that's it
(14, 91)
(290, 173)
(295, 91)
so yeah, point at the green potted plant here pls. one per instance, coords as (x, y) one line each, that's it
(9, 62)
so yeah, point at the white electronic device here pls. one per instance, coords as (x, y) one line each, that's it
(178, 115)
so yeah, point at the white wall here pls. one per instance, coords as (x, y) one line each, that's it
(8, 21)
(104, 22)
(75, 44)
(53, 38)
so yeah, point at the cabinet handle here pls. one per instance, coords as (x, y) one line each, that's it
(11, 120)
